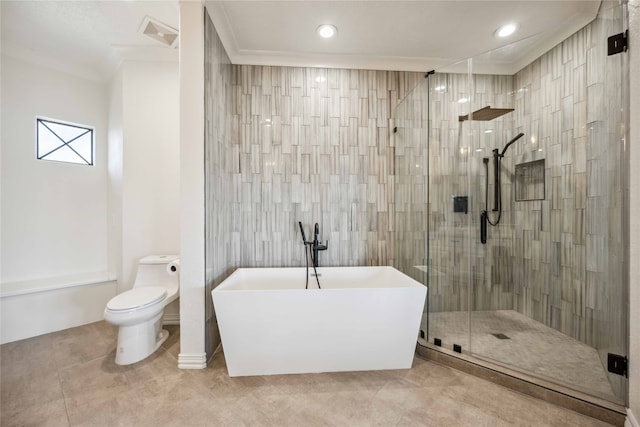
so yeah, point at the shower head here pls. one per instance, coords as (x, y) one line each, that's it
(517, 137)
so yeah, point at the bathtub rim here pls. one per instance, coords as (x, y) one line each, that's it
(226, 285)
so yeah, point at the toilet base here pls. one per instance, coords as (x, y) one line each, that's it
(137, 342)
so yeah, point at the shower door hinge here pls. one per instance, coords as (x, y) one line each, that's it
(617, 364)
(618, 43)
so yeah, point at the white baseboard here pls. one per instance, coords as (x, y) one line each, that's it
(171, 319)
(192, 361)
(43, 311)
(631, 421)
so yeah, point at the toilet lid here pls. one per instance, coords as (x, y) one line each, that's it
(137, 298)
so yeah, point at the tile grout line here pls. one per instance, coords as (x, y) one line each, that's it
(64, 398)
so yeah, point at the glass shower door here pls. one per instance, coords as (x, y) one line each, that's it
(450, 207)
(549, 288)
(522, 240)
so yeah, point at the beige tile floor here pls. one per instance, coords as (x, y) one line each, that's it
(70, 378)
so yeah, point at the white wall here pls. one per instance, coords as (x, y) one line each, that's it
(144, 168)
(63, 219)
(114, 165)
(634, 253)
(54, 215)
(150, 164)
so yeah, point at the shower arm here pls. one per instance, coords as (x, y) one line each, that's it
(496, 171)
(504, 150)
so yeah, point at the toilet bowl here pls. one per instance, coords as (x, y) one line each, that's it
(138, 312)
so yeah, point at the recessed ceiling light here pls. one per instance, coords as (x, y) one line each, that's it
(488, 131)
(506, 30)
(326, 31)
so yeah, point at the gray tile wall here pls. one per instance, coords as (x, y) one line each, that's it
(411, 183)
(286, 144)
(313, 145)
(219, 170)
(571, 102)
(458, 262)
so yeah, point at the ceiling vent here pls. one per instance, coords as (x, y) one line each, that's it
(161, 33)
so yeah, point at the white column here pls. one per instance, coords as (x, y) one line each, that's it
(192, 279)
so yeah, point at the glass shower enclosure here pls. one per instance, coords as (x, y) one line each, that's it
(523, 246)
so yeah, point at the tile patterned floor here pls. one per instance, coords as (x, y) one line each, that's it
(69, 378)
(532, 348)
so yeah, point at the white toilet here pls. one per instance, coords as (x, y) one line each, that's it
(138, 312)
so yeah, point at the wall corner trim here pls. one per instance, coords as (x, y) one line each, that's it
(631, 421)
(192, 361)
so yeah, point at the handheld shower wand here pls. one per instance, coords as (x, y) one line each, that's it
(497, 195)
(306, 256)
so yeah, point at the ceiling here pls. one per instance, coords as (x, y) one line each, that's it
(89, 38)
(397, 35)
(86, 38)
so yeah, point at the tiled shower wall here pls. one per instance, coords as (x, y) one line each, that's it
(570, 252)
(458, 262)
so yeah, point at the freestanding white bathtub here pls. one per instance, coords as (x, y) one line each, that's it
(363, 318)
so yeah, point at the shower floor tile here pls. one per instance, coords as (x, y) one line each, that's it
(529, 347)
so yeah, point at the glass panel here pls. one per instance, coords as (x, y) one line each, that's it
(410, 140)
(64, 154)
(432, 200)
(65, 132)
(450, 206)
(543, 290)
(548, 288)
(47, 140)
(83, 147)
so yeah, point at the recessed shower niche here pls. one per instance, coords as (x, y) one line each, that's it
(529, 180)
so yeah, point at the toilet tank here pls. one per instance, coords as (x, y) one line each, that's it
(152, 271)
